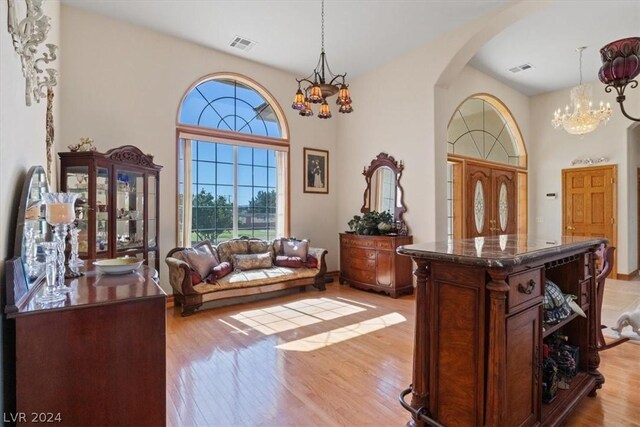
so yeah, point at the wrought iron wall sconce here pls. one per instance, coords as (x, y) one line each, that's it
(620, 66)
(27, 34)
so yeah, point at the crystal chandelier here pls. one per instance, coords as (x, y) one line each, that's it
(322, 83)
(583, 118)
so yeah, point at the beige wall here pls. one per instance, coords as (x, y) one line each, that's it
(22, 136)
(403, 108)
(471, 81)
(552, 150)
(124, 84)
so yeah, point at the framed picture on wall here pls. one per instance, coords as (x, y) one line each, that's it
(316, 171)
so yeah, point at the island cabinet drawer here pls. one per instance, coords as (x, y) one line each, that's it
(362, 263)
(527, 288)
(362, 253)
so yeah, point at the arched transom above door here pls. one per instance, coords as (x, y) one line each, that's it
(483, 128)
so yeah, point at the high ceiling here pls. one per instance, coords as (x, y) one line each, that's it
(362, 35)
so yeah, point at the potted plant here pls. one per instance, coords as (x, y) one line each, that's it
(371, 223)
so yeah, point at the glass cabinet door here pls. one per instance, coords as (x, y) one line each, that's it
(77, 179)
(151, 224)
(129, 210)
(102, 210)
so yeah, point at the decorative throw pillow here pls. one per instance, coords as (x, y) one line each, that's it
(222, 270)
(195, 277)
(227, 249)
(288, 261)
(293, 247)
(312, 262)
(200, 260)
(206, 245)
(259, 246)
(252, 261)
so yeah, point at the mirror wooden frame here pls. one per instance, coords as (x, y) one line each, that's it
(385, 160)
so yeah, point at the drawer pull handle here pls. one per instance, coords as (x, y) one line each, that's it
(528, 289)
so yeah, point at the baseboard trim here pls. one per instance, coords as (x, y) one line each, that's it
(170, 301)
(629, 276)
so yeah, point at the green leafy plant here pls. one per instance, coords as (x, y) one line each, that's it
(371, 223)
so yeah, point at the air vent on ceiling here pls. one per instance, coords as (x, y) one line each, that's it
(519, 68)
(242, 43)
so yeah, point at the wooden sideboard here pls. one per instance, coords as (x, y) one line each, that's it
(98, 358)
(480, 331)
(371, 262)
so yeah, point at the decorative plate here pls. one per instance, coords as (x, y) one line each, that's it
(118, 265)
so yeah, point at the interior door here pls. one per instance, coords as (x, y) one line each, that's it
(504, 201)
(478, 201)
(589, 199)
(491, 201)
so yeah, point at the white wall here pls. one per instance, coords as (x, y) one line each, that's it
(552, 150)
(124, 84)
(22, 136)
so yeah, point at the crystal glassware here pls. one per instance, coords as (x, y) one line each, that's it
(51, 293)
(60, 213)
(74, 260)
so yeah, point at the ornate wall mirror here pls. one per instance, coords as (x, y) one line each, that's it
(31, 227)
(383, 191)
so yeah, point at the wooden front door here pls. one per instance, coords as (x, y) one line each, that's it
(491, 201)
(589, 203)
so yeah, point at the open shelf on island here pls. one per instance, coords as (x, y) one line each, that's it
(551, 329)
(558, 408)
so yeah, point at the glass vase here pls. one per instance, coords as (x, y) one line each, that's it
(51, 293)
(74, 260)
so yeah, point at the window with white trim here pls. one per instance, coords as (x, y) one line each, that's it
(232, 163)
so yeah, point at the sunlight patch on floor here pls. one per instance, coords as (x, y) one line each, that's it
(280, 318)
(325, 339)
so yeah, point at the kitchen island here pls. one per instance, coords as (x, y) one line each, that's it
(480, 336)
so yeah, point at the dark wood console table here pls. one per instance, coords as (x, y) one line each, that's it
(98, 358)
(479, 329)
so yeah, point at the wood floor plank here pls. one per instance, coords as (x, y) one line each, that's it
(225, 367)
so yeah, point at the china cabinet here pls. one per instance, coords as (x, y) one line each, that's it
(120, 216)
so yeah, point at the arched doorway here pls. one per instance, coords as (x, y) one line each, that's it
(486, 171)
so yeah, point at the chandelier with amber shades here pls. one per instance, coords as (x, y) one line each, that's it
(320, 85)
(583, 118)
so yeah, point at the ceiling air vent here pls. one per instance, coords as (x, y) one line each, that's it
(242, 43)
(519, 68)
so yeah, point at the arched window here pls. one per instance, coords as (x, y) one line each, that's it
(482, 127)
(487, 170)
(232, 169)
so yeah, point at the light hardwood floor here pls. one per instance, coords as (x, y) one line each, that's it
(333, 358)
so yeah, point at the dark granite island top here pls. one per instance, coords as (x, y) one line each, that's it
(498, 251)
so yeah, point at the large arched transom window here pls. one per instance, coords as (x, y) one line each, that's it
(232, 168)
(482, 127)
(230, 105)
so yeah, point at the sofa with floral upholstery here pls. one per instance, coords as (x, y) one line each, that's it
(241, 267)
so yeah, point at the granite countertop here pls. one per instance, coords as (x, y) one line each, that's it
(498, 251)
